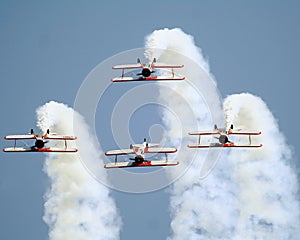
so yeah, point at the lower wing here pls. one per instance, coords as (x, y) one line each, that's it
(154, 78)
(154, 163)
(212, 145)
(21, 149)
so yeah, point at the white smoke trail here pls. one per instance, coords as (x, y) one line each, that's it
(77, 206)
(199, 209)
(251, 193)
(267, 183)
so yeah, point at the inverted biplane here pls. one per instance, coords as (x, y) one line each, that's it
(40, 140)
(139, 160)
(146, 72)
(223, 136)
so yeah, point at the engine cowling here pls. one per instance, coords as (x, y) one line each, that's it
(39, 143)
(146, 72)
(223, 139)
(138, 159)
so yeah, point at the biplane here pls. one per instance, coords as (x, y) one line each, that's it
(146, 73)
(140, 150)
(40, 140)
(223, 138)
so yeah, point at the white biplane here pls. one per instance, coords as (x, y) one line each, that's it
(40, 140)
(139, 160)
(223, 137)
(146, 73)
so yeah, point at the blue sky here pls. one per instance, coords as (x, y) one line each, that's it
(48, 48)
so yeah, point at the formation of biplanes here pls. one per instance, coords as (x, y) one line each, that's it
(146, 72)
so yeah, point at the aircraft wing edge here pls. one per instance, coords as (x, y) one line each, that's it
(119, 152)
(204, 133)
(162, 65)
(60, 137)
(161, 150)
(128, 66)
(16, 137)
(154, 163)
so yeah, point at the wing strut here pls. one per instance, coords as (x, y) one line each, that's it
(199, 139)
(116, 159)
(166, 157)
(249, 139)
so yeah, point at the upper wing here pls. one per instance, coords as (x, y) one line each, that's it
(204, 133)
(160, 150)
(119, 152)
(59, 137)
(16, 137)
(244, 132)
(129, 66)
(151, 145)
(162, 65)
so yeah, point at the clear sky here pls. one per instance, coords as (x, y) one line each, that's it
(47, 48)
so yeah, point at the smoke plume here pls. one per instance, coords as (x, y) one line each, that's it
(267, 183)
(250, 193)
(198, 208)
(76, 205)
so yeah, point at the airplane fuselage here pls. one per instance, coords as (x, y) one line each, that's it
(140, 152)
